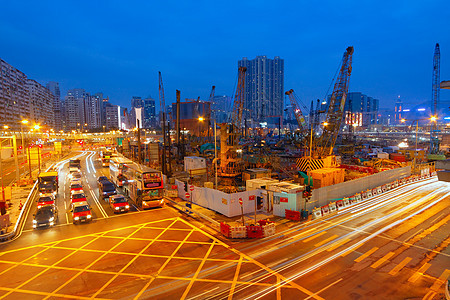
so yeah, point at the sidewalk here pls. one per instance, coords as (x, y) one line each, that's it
(214, 218)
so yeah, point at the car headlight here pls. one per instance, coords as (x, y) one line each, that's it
(76, 218)
(88, 216)
(70, 176)
(51, 219)
(39, 206)
(127, 206)
(51, 223)
(34, 221)
(117, 208)
(144, 203)
(54, 193)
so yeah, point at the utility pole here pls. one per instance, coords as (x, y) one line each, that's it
(178, 124)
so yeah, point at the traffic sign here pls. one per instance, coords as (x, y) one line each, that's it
(240, 201)
(191, 188)
(187, 195)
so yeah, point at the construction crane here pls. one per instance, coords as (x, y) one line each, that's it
(434, 139)
(297, 111)
(324, 146)
(230, 159)
(166, 166)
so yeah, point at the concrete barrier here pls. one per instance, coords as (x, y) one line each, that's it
(340, 204)
(332, 207)
(346, 202)
(325, 210)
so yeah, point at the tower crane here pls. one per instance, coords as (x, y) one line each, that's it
(326, 142)
(230, 157)
(166, 166)
(434, 139)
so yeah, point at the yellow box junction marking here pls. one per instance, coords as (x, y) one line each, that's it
(314, 236)
(419, 272)
(400, 266)
(382, 260)
(366, 254)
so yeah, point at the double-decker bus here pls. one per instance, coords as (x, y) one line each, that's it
(143, 185)
(105, 156)
(116, 166)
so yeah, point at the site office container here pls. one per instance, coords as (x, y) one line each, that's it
(397, 157)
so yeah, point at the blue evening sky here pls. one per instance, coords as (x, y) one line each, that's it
(118, 47)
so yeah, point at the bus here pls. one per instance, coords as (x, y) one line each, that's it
(116, 165)
(105, 156)
(143, 185)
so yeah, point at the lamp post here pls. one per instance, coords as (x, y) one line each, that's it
(215, 152)
(200, 120)
(37, 127)
(23, 122)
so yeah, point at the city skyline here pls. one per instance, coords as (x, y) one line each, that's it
(393, 58)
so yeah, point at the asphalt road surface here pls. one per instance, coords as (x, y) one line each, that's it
(394, 246)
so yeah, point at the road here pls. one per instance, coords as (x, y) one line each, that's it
(394, 246)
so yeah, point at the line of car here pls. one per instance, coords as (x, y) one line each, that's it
(47, 214)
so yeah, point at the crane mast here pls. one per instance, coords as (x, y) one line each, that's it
(336, 106)
(434, 139)
(166, 166)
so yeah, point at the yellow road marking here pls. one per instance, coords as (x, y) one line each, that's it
(279, 288)
(326, 241)
(92, 263)
(350, 251)
(400, 266)
(186, 291)
(430, 295)
(304, 290)
(366, 254)
(437, 284)
(337, 244)
(236, 274)
(42, 293)
(314, 236)
(133, 259)
(419, 272)
(382, 260)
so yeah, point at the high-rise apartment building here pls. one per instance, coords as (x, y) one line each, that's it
(360, 109)
(53, 87)
(264, 88)
(14, 96)
(149, 113)
(398, 110)
(41, 104)
(72, 107)
(113, 118)
(93, 111)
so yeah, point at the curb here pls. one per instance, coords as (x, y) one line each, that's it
(214, 224)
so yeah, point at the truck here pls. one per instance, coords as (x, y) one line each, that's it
(48, 183)
(105, 189)
(74, 165)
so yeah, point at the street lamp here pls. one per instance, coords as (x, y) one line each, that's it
(200, 119)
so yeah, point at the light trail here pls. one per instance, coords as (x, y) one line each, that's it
(371, 236)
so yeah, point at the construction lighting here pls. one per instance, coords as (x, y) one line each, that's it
(200, 119)
(5, 126)
(403, 120)
(433, 119)
(325, 123)
(24, 122)
(36, 127)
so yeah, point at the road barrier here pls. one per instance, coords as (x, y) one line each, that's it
(238, 232)
(325, 210)
(292, 215)
(317, 213)
(340, 204)
(268, 229)
(225, 229)
(332, 207)
(346, 202)
(254, 232)
(374, 192)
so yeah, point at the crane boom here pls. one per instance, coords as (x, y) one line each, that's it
(238, 105)
(336, 106)
(297, 111)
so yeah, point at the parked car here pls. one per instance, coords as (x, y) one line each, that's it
(45, 216)
(118, 203)
(81, 212)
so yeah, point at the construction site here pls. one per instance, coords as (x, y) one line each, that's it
(232, 168)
